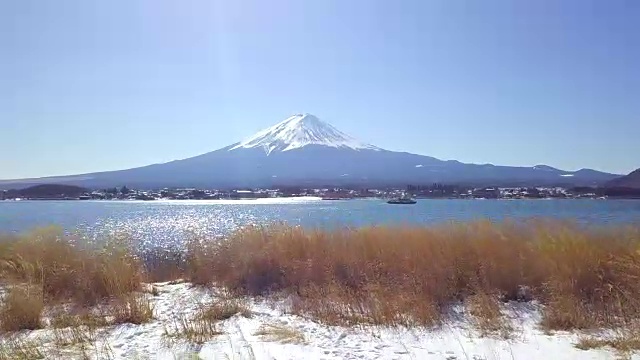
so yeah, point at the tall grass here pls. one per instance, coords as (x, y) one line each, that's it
(133, 309)
(21, 309)
(584, 277)
(411, 276)
(67, 270)
(46, 268)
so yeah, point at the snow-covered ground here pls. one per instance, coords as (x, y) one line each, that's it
(306, 339)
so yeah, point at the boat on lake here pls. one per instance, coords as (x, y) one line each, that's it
(403, 199)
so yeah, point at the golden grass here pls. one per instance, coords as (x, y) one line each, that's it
(203, 325)
(403, 276)
(68, 270)
(411, 276)
(134, 308)
(21, 309)
(487, 316)
(60, 270)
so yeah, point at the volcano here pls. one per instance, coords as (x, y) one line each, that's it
(303, 150)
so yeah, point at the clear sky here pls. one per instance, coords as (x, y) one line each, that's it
(103, 85)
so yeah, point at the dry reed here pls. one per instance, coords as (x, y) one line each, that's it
(21, 309)
(585, 277)
(69, 270)
(411, 276)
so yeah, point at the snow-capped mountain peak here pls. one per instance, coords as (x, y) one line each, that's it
(298, 131)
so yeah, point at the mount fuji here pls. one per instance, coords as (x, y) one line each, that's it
(303, 150)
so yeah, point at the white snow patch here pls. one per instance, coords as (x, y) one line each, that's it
(566, 175)
(457, 340)
(419, 166)
(298, 131)
(544, 168)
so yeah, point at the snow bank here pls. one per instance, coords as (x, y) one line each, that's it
(242, 339)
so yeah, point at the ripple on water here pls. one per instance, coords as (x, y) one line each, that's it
(170, 223)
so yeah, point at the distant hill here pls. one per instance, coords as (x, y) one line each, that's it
(47, 191)
(631, 181)
(306, 151)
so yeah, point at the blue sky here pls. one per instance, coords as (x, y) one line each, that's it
(103, 85)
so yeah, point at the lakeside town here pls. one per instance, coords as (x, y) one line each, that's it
(435, 191)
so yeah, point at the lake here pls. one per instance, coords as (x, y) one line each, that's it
(161, 223)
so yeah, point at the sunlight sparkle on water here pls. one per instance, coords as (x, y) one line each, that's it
(166, 224)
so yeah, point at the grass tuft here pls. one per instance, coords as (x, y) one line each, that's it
(196, 330)
(281, 333)
(224, 309)
(625, 342)
(203, 325)
(134, 308)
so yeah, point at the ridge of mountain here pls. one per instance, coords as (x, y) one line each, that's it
(303, 150)
(631, 181)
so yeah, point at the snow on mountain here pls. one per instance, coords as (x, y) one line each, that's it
(298, 131)
(303, 150)
(545, 168)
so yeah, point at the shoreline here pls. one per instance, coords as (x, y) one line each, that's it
(309, 199)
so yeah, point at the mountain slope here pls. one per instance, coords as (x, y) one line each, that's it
(631, 181)
(303, 150)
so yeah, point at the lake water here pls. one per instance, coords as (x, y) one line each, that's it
(160, 223)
